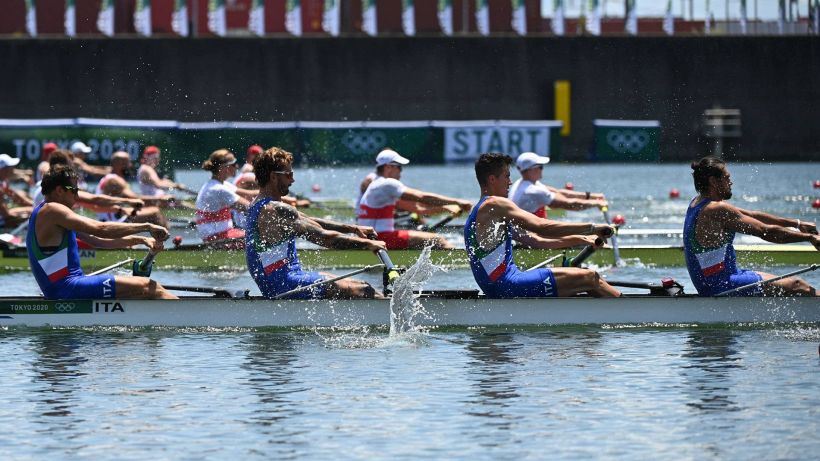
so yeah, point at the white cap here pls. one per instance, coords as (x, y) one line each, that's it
(7, 160)
(528, 160)
(390, 156)
(78, 147)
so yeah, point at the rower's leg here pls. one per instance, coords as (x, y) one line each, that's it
(418, 240)
(792, 286)
(128, 287)
(574, 280)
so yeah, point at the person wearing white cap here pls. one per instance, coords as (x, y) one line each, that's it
(378, 203)
(530, 194)
(80, 149)
(11, 217)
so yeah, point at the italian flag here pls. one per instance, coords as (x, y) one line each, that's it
(216, 17)
(70, 18)
(330, 17)
(105, 20)
(369, 24)
(482, 17)
(519, 16)
(256, 18)
(179, 18)
(445, 16)
(293, 17)
(31, 18)
(142, 17)
(408, 17)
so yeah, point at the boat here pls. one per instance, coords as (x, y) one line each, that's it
(440, 309)
(202, 257)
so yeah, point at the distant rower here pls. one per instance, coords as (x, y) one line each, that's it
(378, 203)
(54, 256)
(534, 196)
(709, 230)
(272, 229)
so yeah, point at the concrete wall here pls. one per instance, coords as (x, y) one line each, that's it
(774, 81)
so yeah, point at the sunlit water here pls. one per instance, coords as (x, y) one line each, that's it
(356, 392)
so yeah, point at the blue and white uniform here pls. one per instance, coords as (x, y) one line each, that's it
(58, 272)
(496, 273)
(275, 267)
(714, 269)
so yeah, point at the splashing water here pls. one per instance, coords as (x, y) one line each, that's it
(405, 307)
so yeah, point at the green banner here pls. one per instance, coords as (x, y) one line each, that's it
(626, 141)
(187, 145)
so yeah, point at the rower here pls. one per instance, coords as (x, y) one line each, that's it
(496, 220)
(250, 155)
(151, 184)
(245, 179)
(272, 228)
(115, 185)
(52, 246)
(709, 230)
(379, 201)
(42, 167)
(217, 198)
(84, 170)
(12, 217)
(530, 194)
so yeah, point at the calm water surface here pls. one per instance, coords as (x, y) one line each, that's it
(614, 392)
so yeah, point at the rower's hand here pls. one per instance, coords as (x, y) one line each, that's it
(464, 205)
(597, 195)
(135, 203)
(587, 240)
(375, 245)
(158, 232)
(365, 232)
(154, 246)
(604, 231)
(601, 204)
(807, 227)
(815, 240)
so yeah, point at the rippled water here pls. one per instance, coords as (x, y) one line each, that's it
(354, 392)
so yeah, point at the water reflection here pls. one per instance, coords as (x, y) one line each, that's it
(712, 361)
(57, 367)
(492, 361)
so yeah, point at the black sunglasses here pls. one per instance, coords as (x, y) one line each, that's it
(74, 189)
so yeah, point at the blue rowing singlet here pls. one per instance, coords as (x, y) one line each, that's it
(58, 273)
(275, 267)
(714, 269)
(496, 273)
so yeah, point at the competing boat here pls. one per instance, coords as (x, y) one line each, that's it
(437, 310)
(202, 257)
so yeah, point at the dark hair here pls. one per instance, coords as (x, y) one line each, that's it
(59, 176)
(60, 157)
(217, 159)
(273, 159)
(704, 169)
(490, 164)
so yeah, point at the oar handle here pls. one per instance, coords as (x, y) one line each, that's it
(389, 267)
(438, 225)
(585, 253)
(142, 267)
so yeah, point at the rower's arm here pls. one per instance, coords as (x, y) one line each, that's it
(92, 170)
(247, 194)
(150, 176)
(361, 231)
(502, 208)
(278, 218)
(534, 241)
(734, 219)
(21, 198)
(56, 214)
(577, 194)
(106, 202)
(429, 198)
(573, 203)
(115, 243)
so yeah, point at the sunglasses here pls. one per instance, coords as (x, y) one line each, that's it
(288, 173)
(74, 189)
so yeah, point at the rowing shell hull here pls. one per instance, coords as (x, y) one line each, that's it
(210, 312)
(209, 259)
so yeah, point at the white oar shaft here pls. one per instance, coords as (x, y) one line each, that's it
(615, 252)
(764, 282)
(113, 266)
(544, 262)
(330, 280)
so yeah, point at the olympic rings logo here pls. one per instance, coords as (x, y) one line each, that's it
(64, 307)
(624, 141)
(364, 142)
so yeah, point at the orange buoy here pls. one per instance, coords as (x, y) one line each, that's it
(569, 186)
(674, 193)
(618, 220)
(316, 188)
(815, 204)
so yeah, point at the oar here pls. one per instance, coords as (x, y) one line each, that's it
(437, 225)
(545, 262)
(219, 292)
(178, 245)
(113, 266)
(142, 267)
(584, 254)
(13, 237)
(764, 282)
(389, 268)
(326, 281)
(186, 190)
(617, 254)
